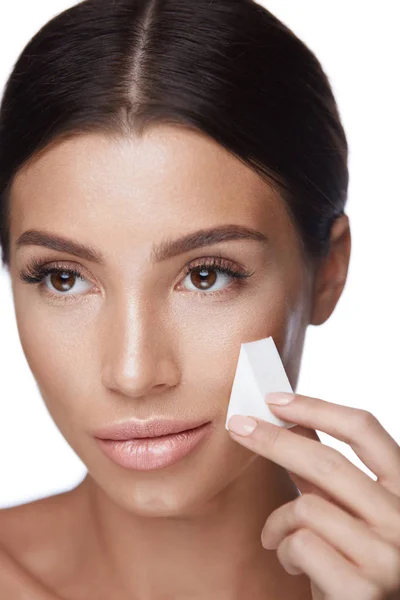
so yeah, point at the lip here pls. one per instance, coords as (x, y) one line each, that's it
(149, 453)
(135, 429)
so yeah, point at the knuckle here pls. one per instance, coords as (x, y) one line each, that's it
(391, 560)
(385, 568)
(313, 401)
(299, 540)
(395, 526)
(305, 506)
(389, 531)
(364, 421)
(330, 461)
(367, 590)
(370, 591)
(273, 436)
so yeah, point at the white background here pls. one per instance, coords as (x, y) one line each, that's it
(354, 358)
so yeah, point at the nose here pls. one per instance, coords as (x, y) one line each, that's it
(138, 356)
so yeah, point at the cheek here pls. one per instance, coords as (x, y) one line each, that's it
(57, 348)
(210, 341)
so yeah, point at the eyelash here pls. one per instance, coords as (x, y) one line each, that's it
(36, 272)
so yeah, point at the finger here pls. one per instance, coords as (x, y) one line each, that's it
(358, 428)
(330, 471)
(304, 486)
(378, 560)
(305, 552)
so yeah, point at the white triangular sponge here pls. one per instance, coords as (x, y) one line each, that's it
(259, 371)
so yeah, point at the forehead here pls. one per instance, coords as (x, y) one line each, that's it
(171, 177)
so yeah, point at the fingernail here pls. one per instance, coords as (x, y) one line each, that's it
(279, 398)
(242, 425)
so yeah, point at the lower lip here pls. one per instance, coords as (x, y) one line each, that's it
(154, 453)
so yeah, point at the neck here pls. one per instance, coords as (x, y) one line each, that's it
(212, 552)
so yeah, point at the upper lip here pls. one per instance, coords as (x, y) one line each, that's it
(130, 430)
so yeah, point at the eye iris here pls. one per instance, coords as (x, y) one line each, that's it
(197, 278)
(62, 285)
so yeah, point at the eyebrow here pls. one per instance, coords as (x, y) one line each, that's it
(163, 251)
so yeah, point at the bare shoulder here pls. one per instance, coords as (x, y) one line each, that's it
(31, 542)
(28, 528)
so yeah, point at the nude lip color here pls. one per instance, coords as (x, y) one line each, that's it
(148, 453)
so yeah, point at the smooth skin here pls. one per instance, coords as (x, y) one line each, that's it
(134, 338)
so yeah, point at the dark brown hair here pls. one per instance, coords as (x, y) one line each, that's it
(228, 68)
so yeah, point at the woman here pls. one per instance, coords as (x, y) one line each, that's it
(173, 184)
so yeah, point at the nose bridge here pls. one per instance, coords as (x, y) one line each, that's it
(138, 357)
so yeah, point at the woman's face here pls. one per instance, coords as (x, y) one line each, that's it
(138, 338)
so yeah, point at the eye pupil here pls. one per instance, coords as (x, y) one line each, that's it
(62, 285)
(197, 278)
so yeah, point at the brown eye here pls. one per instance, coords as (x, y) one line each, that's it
(63, 281)
(207, 275)
(55, 280)
(203, 278)
(208, 279)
